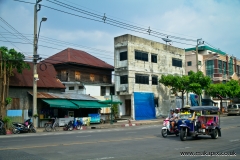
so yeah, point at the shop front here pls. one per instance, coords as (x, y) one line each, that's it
(68, 109)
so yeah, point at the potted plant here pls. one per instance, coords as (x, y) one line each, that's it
(7, 122)
(35, 115)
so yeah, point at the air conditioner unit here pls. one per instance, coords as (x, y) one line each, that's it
(123, 88)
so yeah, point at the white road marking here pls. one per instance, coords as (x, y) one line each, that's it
(101, 158)
(235, 140)
(13, 140)
(84, 136)
(182, 148)
(130, 132)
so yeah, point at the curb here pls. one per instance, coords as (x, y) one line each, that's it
(129, 125)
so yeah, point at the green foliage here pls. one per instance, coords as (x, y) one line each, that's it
(8, 100)
(14, 60)
(7, 122)
(198, 82)
(194, 82)
(231, 89)
(115, 110)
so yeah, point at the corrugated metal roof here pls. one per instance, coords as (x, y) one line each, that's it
(70, 55)
(63, 96)
(46, 75)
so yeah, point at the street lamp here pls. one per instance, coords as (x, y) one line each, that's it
(43, 20)
(35, 59)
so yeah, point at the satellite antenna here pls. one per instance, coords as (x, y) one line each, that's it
(166, 40)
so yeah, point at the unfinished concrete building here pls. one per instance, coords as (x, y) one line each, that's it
(139, 64)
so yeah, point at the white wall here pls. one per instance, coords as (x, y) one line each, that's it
(93, 90)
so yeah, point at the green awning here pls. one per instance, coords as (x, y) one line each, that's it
(89, 104)
(109, 102)
(61, 103)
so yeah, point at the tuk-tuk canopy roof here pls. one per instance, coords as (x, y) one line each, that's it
(205, 108)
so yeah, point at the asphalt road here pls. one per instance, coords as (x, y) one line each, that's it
(139, 142)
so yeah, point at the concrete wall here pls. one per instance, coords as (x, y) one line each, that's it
(130, 67)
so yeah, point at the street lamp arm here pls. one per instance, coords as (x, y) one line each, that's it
(43, 20)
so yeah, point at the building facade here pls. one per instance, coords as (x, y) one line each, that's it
(139, 64)
(218, 65)
(82, 73)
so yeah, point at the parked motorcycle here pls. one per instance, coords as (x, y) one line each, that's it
(69, 126)
(77, 124)
(2, 128)
(27, 126)
(167, 130)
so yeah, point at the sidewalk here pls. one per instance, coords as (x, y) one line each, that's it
(118, 124)
(122, 123)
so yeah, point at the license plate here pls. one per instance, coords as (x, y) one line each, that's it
(201, 130)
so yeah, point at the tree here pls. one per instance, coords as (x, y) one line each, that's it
(9, 60)
(194, 82)
(177, 84)
(231, 89)
(198, 82)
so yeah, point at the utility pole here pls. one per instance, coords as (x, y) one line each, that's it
(199, 42)
(111, 122)
(35, 58)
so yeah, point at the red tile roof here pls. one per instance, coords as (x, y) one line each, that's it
(46, 75)
(70, 55)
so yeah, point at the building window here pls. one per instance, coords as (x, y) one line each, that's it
(123, 56)
(209, 68)
(103, 91)
(92, 77)
(154, 58)
(224, 68)
(176, 62)
(141, 79)
(189, 63)
(154, 80)
(189, 72)
(71, 88)
(238, 71)
(77, 76)
(80, 87)
(141, 56)
(124, 79)
(64, 75)
(220, 68)
(105, 79)
(230, 64)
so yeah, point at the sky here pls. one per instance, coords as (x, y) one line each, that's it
(79, 24)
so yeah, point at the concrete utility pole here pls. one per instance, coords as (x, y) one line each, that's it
(199, 42)
(37, 8)
(35, 65)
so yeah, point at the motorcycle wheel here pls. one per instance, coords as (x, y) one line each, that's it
(78, 127)
(3, 131)
(15, 131)
(33, 130)
(70, 128)
(164, 133)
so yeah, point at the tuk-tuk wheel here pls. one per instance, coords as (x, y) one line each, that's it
(214, 135)
(183, 134)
